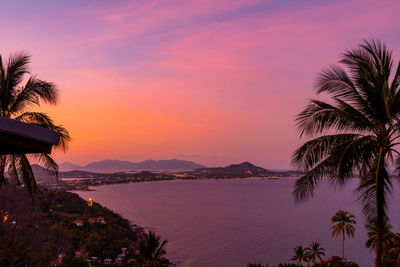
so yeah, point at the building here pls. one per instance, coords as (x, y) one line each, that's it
(108, 261)
(78, 223)
(97, 220)
(17, 137)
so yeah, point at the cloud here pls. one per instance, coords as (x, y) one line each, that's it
(149, 79)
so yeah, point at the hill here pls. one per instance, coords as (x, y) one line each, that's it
(242, 170)
(60, 225)
(42, 175)
(108, 164)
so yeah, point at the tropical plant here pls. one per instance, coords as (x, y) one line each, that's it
(314, 252)
(391, 255)
(343, 226)
(17, 98)
(151, 251)
(373, 234)
(299, 255)
(356, 131)
(336, 262)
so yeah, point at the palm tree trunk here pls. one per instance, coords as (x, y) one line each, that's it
(380, 210)
(2, 170)
(343, 244)
(380, 226)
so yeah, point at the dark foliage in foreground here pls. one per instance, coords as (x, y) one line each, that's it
(336, 262)
(151, 251)
(27, 239)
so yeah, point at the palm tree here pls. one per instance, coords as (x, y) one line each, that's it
(299, 255)
(314, 252)
(356, 131)
(343, 225)
(151, 252)
(17, 98)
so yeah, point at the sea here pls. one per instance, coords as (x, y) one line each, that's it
(239, 221)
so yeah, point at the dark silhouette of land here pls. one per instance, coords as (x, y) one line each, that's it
(108, 164)
(81, 180)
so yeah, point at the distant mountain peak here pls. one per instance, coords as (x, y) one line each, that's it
(244, 164)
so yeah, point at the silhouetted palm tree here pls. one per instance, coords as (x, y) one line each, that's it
(151, 251)
(16, 102)
(314, 252)
(356, 131)
(299, 255)
(343, 226)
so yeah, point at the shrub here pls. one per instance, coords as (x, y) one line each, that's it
(336, 262)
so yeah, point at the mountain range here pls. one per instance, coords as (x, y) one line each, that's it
(108, 164)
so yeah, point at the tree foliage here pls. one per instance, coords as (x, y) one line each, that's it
(355, 132)
(17, 99)
(151, 251)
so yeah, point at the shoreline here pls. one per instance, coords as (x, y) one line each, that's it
(82, 184)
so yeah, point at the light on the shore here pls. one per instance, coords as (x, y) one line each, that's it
(90, 202)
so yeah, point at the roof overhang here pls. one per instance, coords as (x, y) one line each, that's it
(17, 137)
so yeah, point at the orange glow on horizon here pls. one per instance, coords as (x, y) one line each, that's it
(215, 82)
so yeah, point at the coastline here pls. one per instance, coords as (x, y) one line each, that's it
(87, 184)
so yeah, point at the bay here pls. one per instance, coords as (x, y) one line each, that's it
(234, 222)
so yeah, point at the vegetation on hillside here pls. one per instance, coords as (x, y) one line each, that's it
(45, 233)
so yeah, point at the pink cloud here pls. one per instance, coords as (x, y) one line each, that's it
(158, 78)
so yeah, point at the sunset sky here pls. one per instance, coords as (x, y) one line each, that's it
(216, 82)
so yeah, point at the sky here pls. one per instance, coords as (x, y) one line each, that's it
(215, 82)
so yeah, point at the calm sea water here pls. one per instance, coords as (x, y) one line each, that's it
(234, 222)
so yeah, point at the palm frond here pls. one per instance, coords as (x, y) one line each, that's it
(381, 55)
(305, 185)
(315, 150)
(27, 175)
(368, 193)
(335, 157)
(17, 67)
(319, 116)
(34, 91)
(12, 162)
(396, 81)
(352, 155)
(336, 82)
